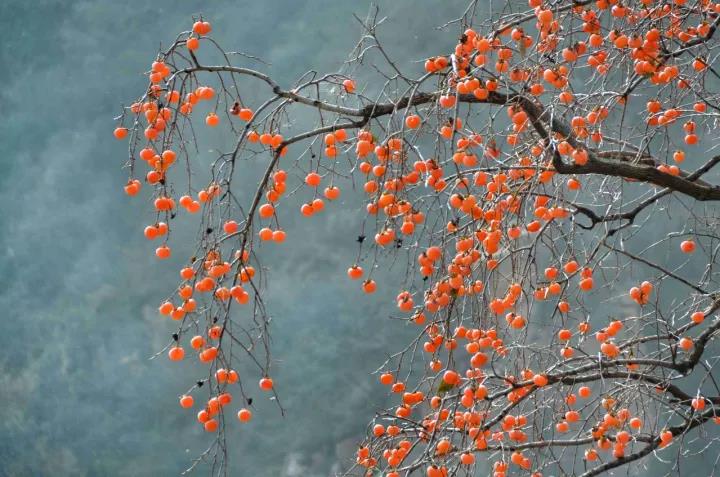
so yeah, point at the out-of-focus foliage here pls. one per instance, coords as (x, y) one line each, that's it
(79, 289)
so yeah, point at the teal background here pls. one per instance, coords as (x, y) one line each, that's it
(79, 285)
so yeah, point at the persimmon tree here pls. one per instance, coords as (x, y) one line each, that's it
(517, 171)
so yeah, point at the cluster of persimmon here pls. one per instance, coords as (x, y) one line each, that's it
(273, 141)
(471, 422)
(206, 276)
(207, 279)
(499, 194)
(481, 245)
(613, 433)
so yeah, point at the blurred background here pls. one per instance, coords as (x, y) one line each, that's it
(80, 286)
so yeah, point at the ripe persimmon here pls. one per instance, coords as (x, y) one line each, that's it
(369, 286)
(355, 272)
(412, 121)
(163, 252)
(120, 133)
(212, 120)
(687, 246)
(332, 193)
(201, 27)
(349, 86)
(244, 415)
(686, 343)
(176, 353)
